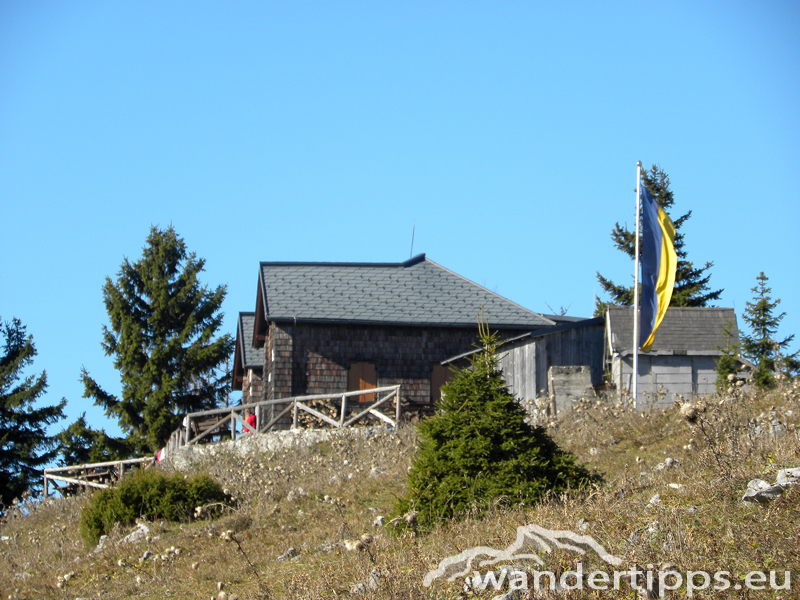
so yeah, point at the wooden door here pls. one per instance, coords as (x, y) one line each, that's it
(441, 374)
(362, 376)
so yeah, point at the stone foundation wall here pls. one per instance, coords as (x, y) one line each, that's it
(266, 443)
(568, 384)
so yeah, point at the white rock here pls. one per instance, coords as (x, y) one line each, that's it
(290, 553)
(375, 579)
(667, 464)
(760, 491)
(101, 544)
(140, 533)
(788, 477)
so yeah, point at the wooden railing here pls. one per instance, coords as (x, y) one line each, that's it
(95, 475)
(225, 422)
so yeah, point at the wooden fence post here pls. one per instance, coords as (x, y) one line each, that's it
(397, 408)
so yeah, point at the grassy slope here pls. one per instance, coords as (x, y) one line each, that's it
(346, 484)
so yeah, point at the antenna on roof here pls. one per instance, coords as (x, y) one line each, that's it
(413, 229)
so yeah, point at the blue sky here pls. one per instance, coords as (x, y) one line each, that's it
(505, 134)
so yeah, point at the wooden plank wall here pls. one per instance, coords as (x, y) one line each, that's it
(685, 375)
(519, 370)
(525, 364)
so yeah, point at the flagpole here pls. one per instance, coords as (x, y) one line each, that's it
(635, 375)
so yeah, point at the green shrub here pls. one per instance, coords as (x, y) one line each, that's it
(148, 494)
(478, 448)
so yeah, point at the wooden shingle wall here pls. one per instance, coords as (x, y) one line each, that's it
(252, 387)
(315, 358)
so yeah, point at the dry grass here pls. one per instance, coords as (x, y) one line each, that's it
(317, 499)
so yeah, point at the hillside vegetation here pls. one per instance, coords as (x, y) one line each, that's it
(295, 527)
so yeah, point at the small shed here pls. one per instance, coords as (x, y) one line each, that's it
(528, 360)
(683, 358)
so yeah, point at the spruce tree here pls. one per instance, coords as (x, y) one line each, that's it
(691, 283)
(477, 448)
(162, 332)
(761, 346)
(80, 444)
(25, 446)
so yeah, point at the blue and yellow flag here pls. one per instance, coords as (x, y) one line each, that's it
(659, 263)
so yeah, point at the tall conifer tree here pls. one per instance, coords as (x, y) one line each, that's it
(161, 335)
(761, 346)
(691, 283)
(25, 446)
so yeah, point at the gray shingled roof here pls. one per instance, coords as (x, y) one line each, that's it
(253, 358)
(683, 330)
(565, 325)
(416, 292)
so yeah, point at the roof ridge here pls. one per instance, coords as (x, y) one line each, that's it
(408, 263)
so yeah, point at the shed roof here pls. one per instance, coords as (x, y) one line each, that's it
(415, 292)
(566, 324)
(699, 331)
(245, 356)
